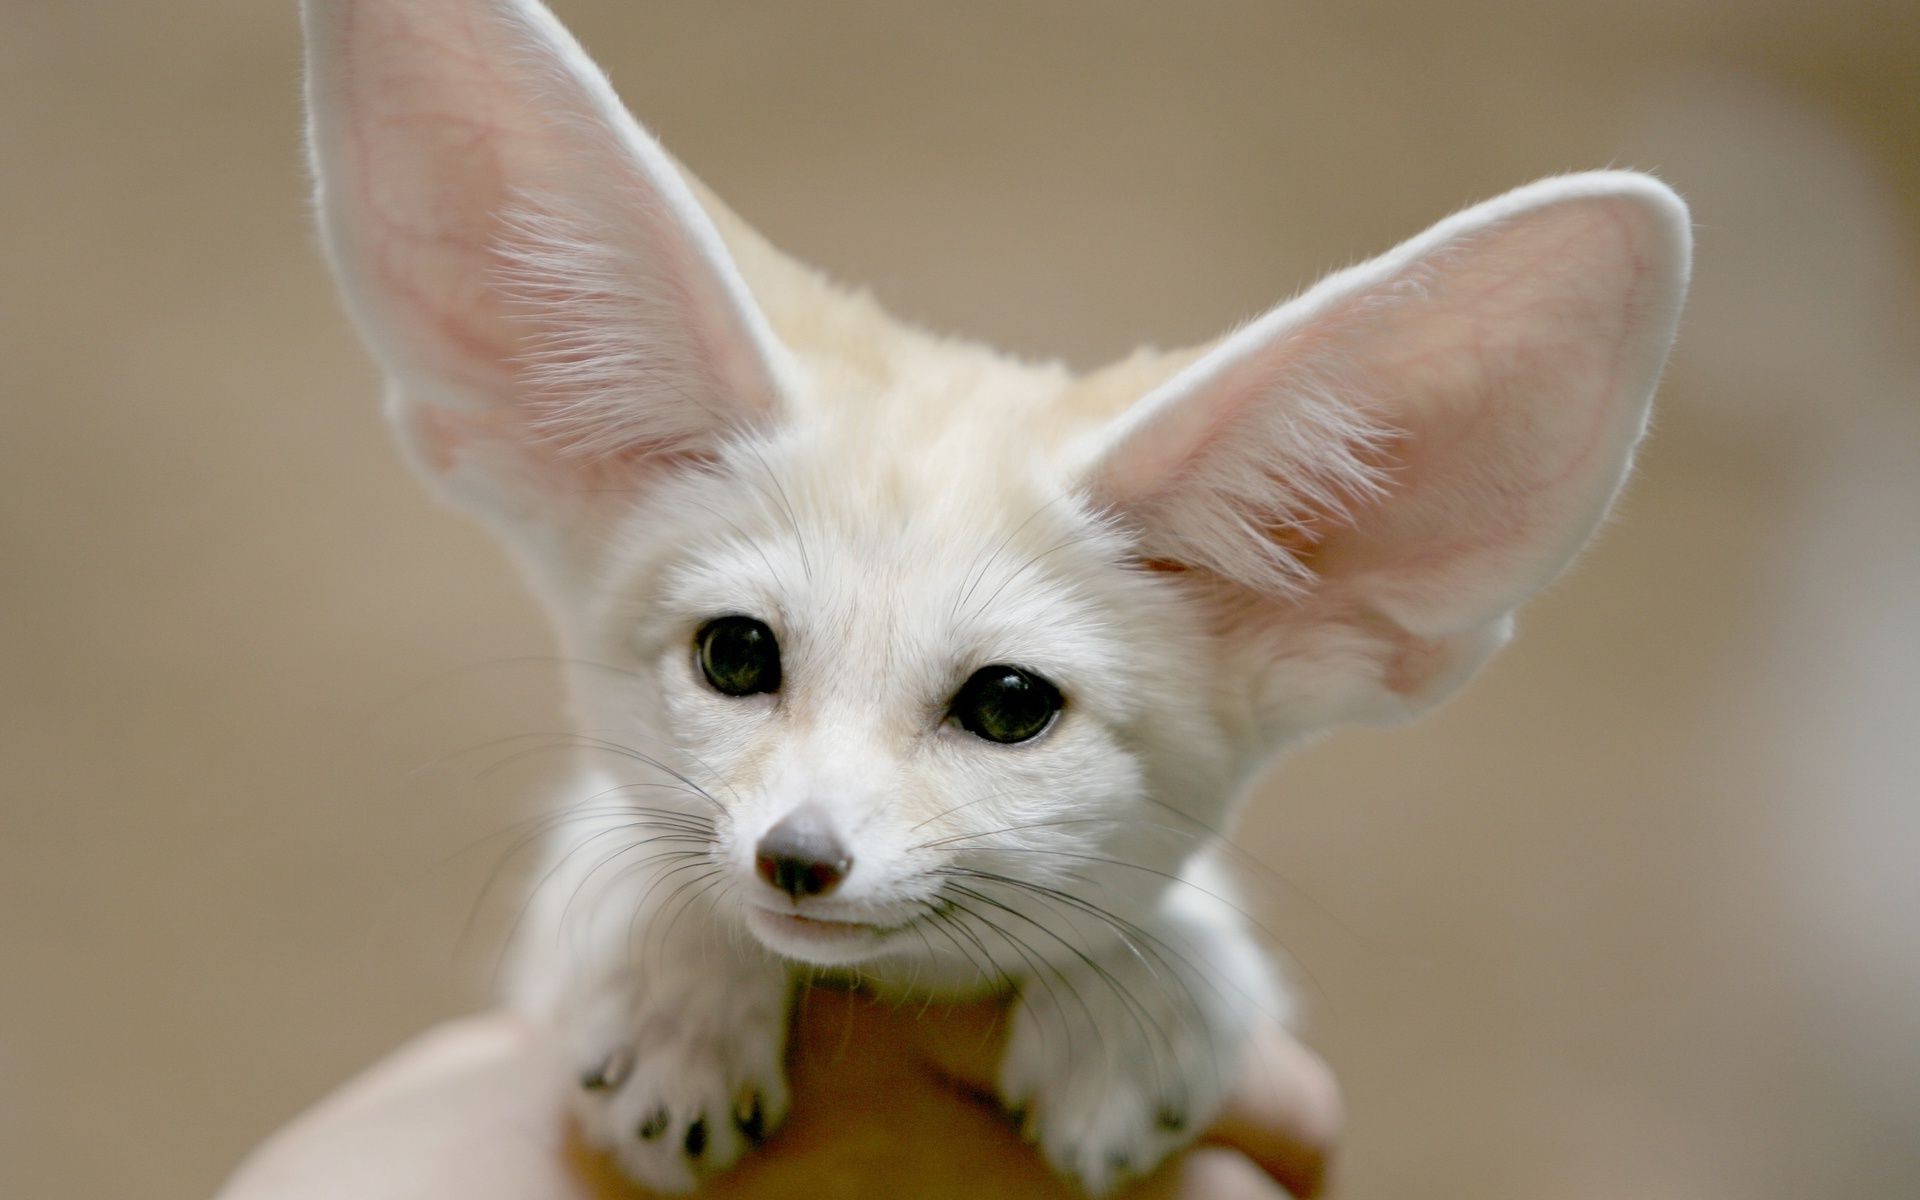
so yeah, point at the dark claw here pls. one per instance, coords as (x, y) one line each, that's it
(654, 1125)
(611, 1072)
(1119, 1164)
(751, 1119)
(1172, 1120)
(697, 1138)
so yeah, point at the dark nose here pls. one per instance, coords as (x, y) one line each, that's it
(801, 855)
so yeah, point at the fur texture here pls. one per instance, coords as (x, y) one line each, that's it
(1327, 516)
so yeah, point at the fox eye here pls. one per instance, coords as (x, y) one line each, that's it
(739, 656)
(1005, 704)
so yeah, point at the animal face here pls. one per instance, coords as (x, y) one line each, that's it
(919, 648)
(890, 606)
(907, 656)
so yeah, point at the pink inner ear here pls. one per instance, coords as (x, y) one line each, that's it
(1517, 360)
(424, 114)
(517, 252)
(444, 438)
(1384, 468)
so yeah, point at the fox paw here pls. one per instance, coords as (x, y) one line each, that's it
(1107, 1087)
(680, 1080)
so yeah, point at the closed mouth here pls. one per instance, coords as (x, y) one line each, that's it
(819, 931)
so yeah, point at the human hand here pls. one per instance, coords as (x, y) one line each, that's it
(474, 1110)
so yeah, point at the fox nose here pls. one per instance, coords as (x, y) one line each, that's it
(801, 855)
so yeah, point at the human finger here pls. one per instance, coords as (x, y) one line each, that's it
(471, 1109)
(1284, 1112)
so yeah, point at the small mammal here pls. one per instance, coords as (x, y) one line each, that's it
(918, 663)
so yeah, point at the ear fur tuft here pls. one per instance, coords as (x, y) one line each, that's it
(550, 302)
(1246, 491)
(594, 317)
(1398, 458)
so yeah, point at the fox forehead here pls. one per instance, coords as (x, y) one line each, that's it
(891, 565)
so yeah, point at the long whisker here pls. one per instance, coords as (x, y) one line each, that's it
(713, 878)
(705, 871)
(1173, 877)
(947, 812)
(786, 504)
(975, 580)
(1031, 562)
(576, 739)
(1146, 940)
(672, 852)
(543, 824)
(1142, 1017)
(1039, 967)
(533, 894)
(1166, 973)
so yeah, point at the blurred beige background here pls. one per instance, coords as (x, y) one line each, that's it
(1637, 916)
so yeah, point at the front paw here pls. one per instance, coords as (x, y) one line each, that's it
(1109, 1078)
(681, 1073)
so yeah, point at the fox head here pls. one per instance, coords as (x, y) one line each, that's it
(885, 603)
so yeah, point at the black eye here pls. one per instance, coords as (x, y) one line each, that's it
(739, 656)
(1005, 704)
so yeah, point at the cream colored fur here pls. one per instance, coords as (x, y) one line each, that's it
(1327, 516)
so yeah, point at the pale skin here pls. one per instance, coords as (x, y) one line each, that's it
(883, 1095)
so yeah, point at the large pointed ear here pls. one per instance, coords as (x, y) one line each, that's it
(556, 314)
(1367, 481)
